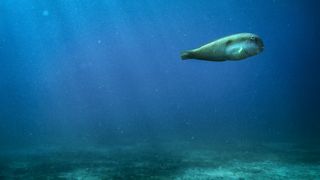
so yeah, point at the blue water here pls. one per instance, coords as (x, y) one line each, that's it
(108, 74)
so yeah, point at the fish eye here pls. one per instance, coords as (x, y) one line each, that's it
(252, 38)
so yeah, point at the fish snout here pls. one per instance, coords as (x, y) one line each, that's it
(259, 43)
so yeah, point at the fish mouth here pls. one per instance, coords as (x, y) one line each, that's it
(260, 44)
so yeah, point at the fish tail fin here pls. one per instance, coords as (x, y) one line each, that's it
(187, 55)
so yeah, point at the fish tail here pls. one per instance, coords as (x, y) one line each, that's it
(186, 55)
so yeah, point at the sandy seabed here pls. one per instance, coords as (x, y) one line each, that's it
(178, 161)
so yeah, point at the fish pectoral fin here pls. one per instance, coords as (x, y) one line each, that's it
(240, 50)
(236, 51)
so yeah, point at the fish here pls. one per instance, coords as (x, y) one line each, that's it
(234, 47)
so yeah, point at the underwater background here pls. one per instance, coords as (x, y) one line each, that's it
(97, 90)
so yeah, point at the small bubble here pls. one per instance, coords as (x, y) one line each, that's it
(45, 13)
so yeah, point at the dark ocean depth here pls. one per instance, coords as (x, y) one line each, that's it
(97, 90)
